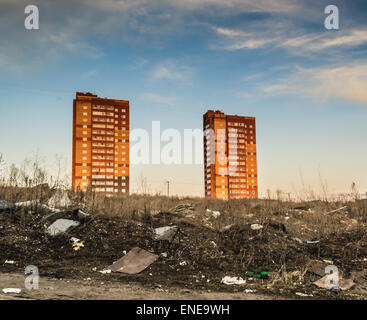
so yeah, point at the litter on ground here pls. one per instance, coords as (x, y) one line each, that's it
(343, 284)
(4, 205)
(303, 294)
(135, 261)
(61, 226)
(165, 233)
(233, 280)
(12, 290)
(105, 271)
(77, 244)
(29, 203)
(256, 226)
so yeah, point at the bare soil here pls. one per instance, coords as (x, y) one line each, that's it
(72, 289)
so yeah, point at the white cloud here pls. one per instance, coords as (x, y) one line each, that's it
(282, 37)
(188, 5)
(159, 99)
(347, 82)
(326, 40)
(170, 70)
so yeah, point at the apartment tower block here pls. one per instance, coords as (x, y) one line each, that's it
(230, 166)
(100, 144)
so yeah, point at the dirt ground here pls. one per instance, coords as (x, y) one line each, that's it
(65, 289)
(193, 264)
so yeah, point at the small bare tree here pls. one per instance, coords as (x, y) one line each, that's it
(143, 184)
(355, 191)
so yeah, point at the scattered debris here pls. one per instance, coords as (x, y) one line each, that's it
(304, 294)
(343, 284)
(77, 244)
(5, 205)
(317, 267)
(212, 251)
(134, 262)
(61, 226)
(12, 290)
(256, 226)
(105, 271)
(53, 210)
(29, 203)
(249, 291)
(226, 228)
(312, 241)
(328, 261)
(258, 274)
(165, 233)
(184, 208)
(82, 215)
(76, 214)
(302, 209)
(337, 210)
(215, 214)
(233, 280)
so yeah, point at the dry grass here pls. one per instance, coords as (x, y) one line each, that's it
(310, 219)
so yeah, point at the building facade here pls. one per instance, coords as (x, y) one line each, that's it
(100, 144)
(230, 159)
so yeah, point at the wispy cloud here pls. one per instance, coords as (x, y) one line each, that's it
(138, 64)
(348, 82)
(170, 70)
(326, 40)
(160, 99)
(84, 27)
(313, 42)
(188, 5)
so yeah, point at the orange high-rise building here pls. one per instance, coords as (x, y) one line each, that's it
(100, 144)
(230, 166)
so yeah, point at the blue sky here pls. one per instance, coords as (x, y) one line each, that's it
(307, 86)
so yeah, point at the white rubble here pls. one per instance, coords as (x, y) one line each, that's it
(233, 280)
(61, 225)
(165, 233)
(12, 290)
(256, 226)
